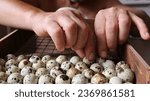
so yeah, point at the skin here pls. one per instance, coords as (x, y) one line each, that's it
(67, 27)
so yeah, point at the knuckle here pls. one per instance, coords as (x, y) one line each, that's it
(56, 32)
(112, 9)
(71, 25)
(101, 12)
(125, 20)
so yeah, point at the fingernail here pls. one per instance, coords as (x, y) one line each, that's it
(60, 49)
(112, 50)
(91, 56)
(147, 35)
(103, 54)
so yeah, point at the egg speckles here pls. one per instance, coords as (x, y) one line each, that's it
(63, 69)
(98, 79)
(62, 79)
(80, 66)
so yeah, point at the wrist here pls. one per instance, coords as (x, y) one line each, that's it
(32, 18)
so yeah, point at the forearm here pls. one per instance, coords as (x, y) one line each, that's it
(16, 13)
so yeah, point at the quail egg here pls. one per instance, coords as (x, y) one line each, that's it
(61, 58)
(80, 66)
(62, 79)
(79, 79)
(14, 78)
(30, 79)
(98, 78)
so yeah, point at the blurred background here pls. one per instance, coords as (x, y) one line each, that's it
(141, 4)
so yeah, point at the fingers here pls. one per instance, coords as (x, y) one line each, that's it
(76, 32)
(124, 26)
(112, 30)
(90, 48)
(100, 34)
(141, 26)
(111, 27)
(56, 33)
(80, 52)
(70, 29)
(75, 29)
(83, 32)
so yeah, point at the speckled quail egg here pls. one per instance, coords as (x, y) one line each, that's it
(21, 57)
(87, 62)
(66, 65)
(74, 59)
(30, 79)
(61, 58)
(38, 64)
(108, 64)
(12, 69)
(14, 78)
(72, 72)
(62, 79)
(46, 58)
(54, 72)
(121, 67)
(80, 66)
(45, 79)
(41, 71)
(109, 73)
(97, 67)
(27, 70)
(34, 59)
(126, 75)
(100, 61)
(51, 63)
(79, 79)
(23, 63)
(88, 73)
(10, 63)
(3, 82)
(2, 62)
(10, 56)
(99, 78)
(115, 80)
(3, 76)
(120, 63)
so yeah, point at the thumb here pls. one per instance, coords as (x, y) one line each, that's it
(140, 24)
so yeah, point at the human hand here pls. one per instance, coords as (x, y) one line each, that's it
(67, 29)
(112, 27)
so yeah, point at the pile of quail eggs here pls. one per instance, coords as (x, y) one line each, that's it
(62, 70)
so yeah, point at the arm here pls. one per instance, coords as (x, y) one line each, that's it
(16, 13)
(66, 27)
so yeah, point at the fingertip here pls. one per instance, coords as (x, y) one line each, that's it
(80, 53)
(146, 36)
(60, 48)
(91, 56)
(103, 54)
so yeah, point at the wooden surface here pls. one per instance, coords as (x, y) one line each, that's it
(138, 65)
(142, 47)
